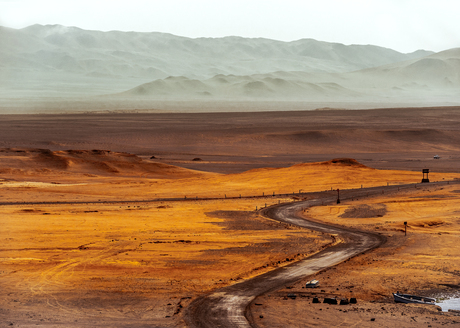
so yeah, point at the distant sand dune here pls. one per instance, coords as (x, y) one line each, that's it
(95, 162)
(350, 139)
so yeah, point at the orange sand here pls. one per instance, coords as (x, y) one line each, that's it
(141, 262)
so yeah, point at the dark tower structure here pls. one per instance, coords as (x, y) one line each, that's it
(425, 175)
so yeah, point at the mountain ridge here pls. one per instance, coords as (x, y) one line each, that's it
(131, 69)
(134, 53)
(431, 76)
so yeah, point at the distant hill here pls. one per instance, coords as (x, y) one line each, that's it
(115, 54)
(437, 74)
(434, 75)
(53, 63)
(279, 85)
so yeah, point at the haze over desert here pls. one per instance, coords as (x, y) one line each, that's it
(155, 180)
(55, 69)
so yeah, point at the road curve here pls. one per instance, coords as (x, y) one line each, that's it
(226, 307)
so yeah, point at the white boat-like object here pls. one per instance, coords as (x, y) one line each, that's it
(406, 298)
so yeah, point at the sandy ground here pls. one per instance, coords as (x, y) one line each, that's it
(138, 264)
(423, 263)
(404, 139)
(75, 265)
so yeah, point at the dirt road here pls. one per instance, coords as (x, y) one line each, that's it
(226, 307)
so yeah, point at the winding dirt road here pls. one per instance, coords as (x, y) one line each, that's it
(226, 307)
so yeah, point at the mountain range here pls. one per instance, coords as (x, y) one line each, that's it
(58, 61)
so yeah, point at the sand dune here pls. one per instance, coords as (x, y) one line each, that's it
(406, 138)
(44, 162)
(367, 139)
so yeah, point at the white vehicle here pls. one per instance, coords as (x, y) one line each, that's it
(312, 284)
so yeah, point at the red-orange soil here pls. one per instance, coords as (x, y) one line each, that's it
(92, 255)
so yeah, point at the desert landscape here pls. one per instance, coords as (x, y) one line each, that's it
(155, 180)
(124, 220)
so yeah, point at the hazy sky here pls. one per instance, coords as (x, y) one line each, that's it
(403, 25)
